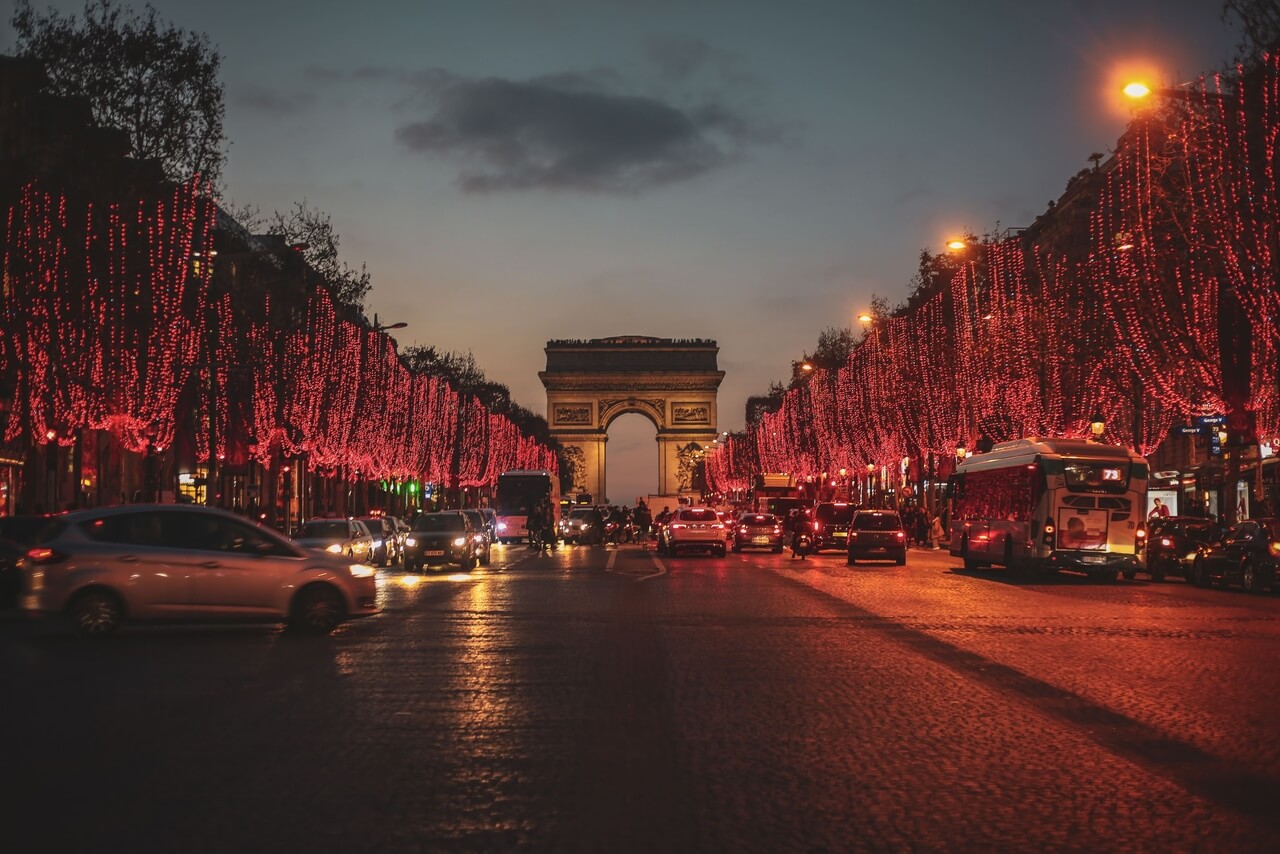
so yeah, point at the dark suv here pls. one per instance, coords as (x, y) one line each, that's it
(442, 538)
(1172, 542)
(877, 534)
(1247, 555)
(831, 525)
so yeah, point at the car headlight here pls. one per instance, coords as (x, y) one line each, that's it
(359, 570)
(377, 544)
(410, 541)
(502, 526)
(460, 541)
(334, 549)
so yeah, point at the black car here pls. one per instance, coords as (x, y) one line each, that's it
(831, 525)
(443, 538)
(1247, 555)
(877, 534)
(477, 520)
(758, 531)
(1172, 543)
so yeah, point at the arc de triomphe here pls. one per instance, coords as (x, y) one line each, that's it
(671, 382)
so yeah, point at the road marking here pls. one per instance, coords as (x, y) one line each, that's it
(613, 556)
(662, 570)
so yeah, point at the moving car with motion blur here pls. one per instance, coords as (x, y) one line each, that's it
(582, 525)
(442, 538)
(877, 535)
(831, 525)
(692, 529)
(1172, 543)
(187, 562)
(347, 537)
(758, 531)
(1246, 555)
(478, 524)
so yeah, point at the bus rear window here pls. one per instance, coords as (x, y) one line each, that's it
(1096, 476)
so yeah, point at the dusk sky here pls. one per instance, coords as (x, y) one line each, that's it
(750, 172)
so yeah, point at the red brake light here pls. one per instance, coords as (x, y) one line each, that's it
(675, 525)
(41, 554)
(1141, 533)
(901, 535)
(1166, 542)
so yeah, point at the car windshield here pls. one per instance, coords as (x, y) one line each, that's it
(376, 526)
(579, 514)
(439, 522)
(1199, 532)
(323, 529)
(877, 522)
(760, 519)
(835, 514)
(699, 516)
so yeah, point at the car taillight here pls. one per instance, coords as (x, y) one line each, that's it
(676, 525)
(902, 535)
(1166, 542)
(717, 526)
(1274, 548)
(777, 529)
(853, 535)
(817, 526)
(1048, 535)
(1142, 533)
(44, 555)
(742, 530)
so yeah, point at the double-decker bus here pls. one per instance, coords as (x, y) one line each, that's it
(518, 493)
(1049, 504)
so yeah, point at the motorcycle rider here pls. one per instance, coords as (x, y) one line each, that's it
(802, 527)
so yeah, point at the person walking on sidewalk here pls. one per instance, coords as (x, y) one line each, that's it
(935, 532)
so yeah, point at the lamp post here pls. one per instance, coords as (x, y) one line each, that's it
(1097, 426)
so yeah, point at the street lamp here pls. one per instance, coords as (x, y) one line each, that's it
(377, 327)
(1097, 426)
(955, 244)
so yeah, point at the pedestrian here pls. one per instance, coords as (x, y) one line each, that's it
(936, 532)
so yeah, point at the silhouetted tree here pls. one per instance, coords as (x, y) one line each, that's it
(144, 76)
(312, 230)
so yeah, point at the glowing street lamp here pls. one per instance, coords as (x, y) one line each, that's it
(955, 244)
(1137, 90)
(1097, 426)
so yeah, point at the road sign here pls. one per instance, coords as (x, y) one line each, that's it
(1187, 430)
(1209, 420)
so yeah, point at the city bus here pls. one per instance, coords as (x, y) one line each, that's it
(1041, 505)
(519, 492)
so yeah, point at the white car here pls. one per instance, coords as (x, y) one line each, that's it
(693, 528)
(183, 562)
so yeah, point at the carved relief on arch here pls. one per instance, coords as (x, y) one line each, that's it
(653, 408)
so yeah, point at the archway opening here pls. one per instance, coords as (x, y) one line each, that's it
(631, 459)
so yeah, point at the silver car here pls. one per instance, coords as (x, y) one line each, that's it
(349, 537)
(182, 562)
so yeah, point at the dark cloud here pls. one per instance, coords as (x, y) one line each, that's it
(255, 97)
(559, 133)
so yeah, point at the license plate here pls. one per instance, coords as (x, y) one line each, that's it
(434, 552)
(760, 541)
(1094, 559)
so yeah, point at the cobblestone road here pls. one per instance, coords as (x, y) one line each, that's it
(614, 700)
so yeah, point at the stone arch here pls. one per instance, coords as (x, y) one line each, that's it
(671, 382)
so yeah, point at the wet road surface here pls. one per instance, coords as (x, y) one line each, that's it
(613, 699)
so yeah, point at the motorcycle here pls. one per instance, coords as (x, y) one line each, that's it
(801, 545)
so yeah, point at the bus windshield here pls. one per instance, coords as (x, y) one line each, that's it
(519, 494)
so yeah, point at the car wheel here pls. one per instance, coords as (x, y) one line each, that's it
(468, 563)
(720, 552)
(96, 612)
(1157, 575)
(737, 549)
(484, 558)
(1130, 574)
(317, 610)
(1199, 575)
(902, 561)
(969, 563)
(1249, 578)
(850, 560)
(409, 565)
